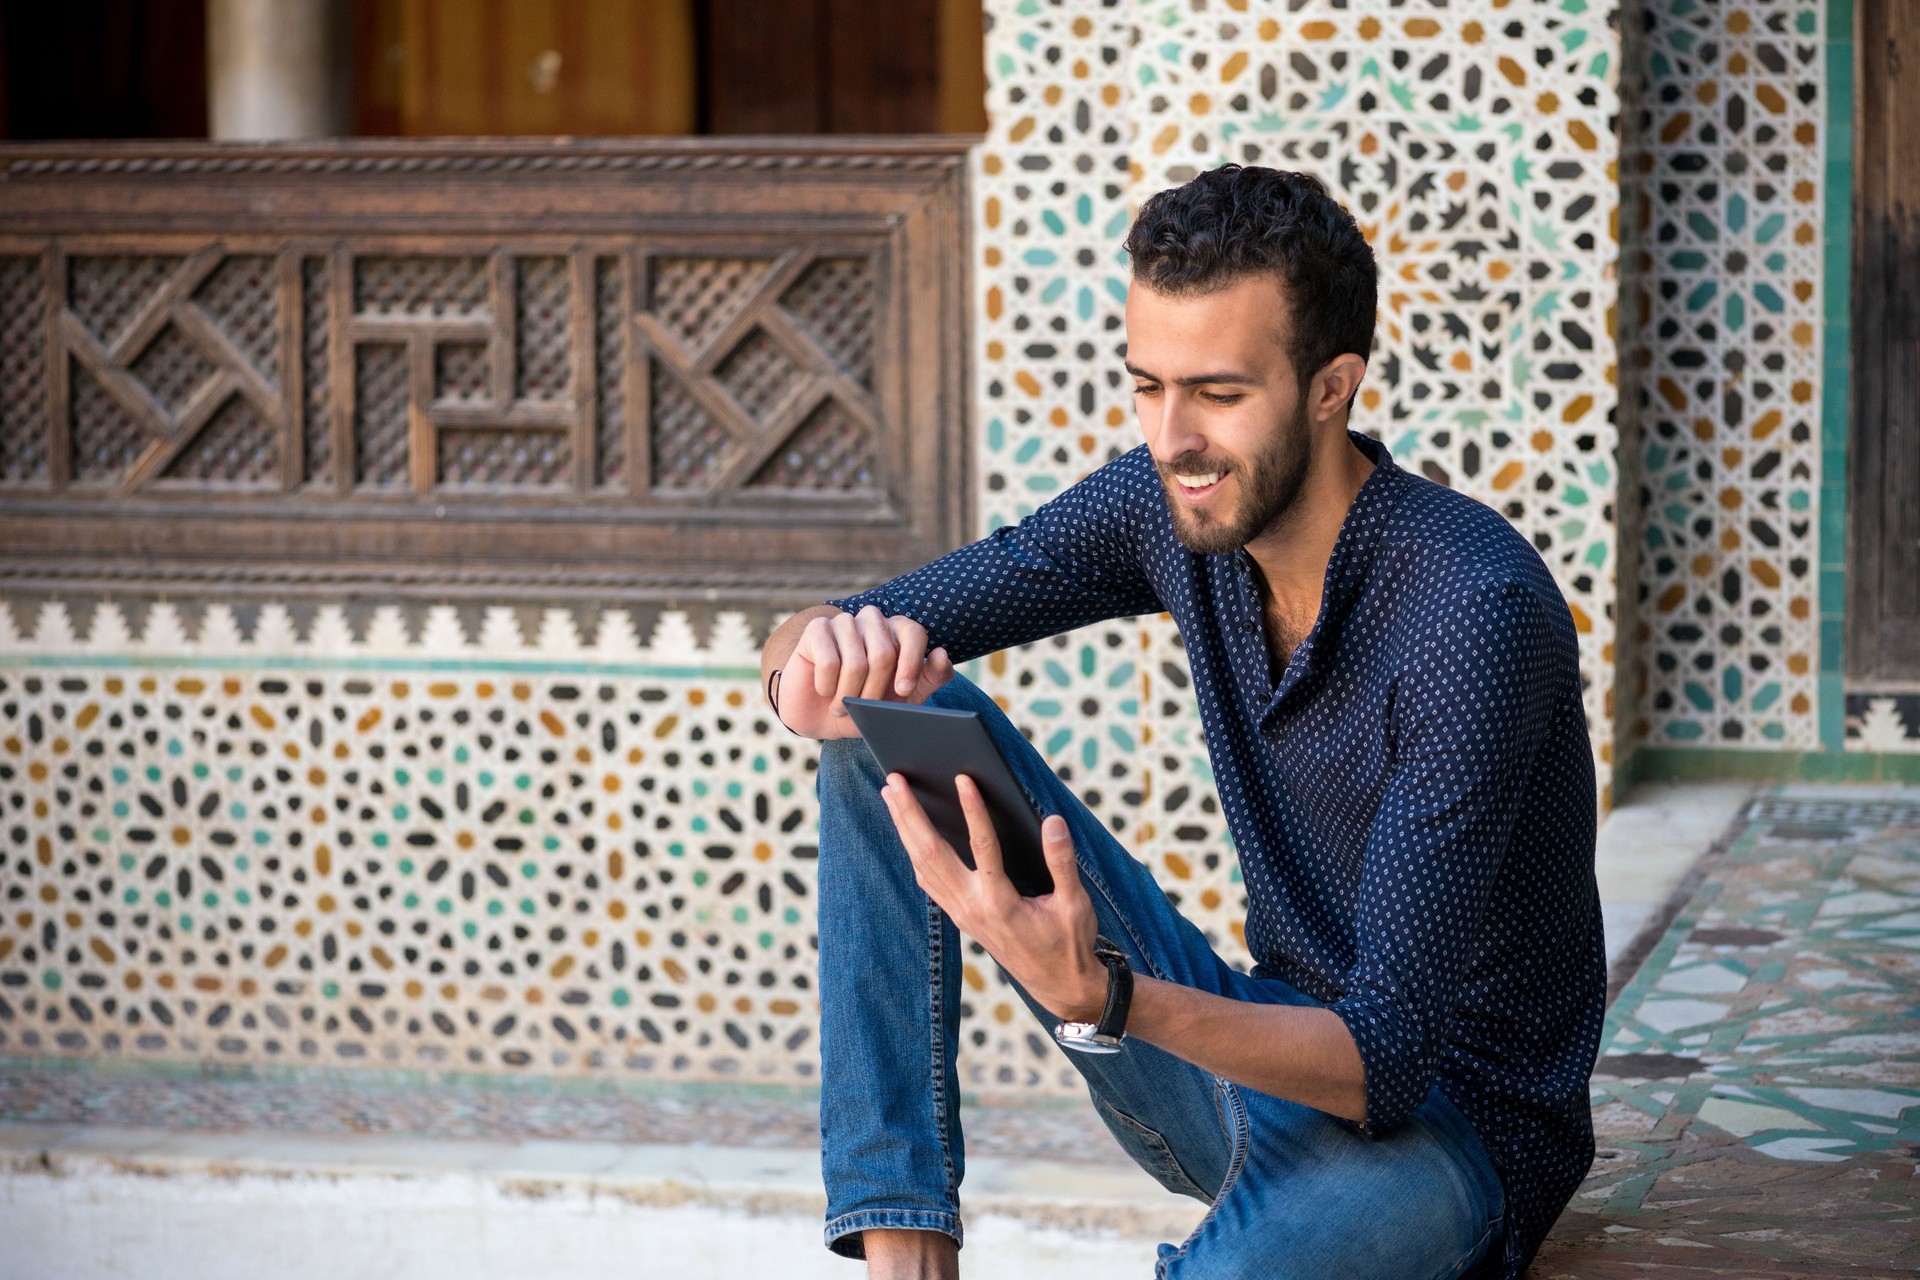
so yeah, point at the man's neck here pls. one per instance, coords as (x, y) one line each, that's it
(1292, 558)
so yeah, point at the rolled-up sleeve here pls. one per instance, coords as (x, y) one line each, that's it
(1073, 562)
(1472, 707)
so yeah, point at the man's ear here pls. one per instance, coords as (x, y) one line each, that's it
(1335, 386)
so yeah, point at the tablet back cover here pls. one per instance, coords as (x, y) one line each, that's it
(928, 746)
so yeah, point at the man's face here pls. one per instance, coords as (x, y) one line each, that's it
(1221, 408)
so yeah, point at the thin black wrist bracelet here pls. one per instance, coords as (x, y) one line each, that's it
(773, 700)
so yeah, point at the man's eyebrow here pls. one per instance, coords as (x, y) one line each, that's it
(1199, 379)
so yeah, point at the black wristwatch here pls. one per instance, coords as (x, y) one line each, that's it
(1106, 1035)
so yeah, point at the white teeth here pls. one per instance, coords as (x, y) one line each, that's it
(1199, 482)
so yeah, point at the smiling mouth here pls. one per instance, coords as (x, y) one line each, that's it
(1200, 481)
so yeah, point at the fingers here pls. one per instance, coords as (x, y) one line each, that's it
(1056, 844)
(853, 661)
(938, 670)
(910, 640)
(936, 866)
(869, 655)
(819, 647)
(988, 865)
(882, 654)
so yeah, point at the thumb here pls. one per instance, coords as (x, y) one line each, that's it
(1057, 846)
(935, 672)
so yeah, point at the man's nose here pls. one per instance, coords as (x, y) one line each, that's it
(1179, 432)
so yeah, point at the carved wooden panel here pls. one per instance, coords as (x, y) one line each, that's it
(653, 367)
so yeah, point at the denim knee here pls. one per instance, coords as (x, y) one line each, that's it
(846, 764)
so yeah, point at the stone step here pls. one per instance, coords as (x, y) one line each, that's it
(90, 1201)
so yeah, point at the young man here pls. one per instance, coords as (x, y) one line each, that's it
(1389, 684)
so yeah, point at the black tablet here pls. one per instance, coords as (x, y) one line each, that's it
(929, 745)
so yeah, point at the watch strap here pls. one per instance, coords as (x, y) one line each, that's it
(1106, 1035)
(1113, 1018)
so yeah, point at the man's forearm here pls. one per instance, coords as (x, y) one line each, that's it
(1302, 1053)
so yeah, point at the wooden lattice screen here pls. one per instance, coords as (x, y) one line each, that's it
(651, 368)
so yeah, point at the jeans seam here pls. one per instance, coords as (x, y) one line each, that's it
(1088, 872)
(1242, 1148)
(1476, 1252)
(936, 948)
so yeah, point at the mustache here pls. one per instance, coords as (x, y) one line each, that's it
(1193, 464)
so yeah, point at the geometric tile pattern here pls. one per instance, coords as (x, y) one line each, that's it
(1722, 317)
(375, 851)
(1474, 145)
(491, 840)
(1757, 1098)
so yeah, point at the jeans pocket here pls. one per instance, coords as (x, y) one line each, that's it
(1149, 1150)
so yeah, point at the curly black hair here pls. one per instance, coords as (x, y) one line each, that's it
(1238, 219)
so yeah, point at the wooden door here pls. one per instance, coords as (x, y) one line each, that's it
(821, 66)
(1883, 553)
(583, 68)
(612, 67)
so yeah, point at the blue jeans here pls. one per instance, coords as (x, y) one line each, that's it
(1294, 1191)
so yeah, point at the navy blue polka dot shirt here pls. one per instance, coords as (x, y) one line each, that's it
(1412, 797)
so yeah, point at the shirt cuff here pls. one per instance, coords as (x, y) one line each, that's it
(1396, 1084)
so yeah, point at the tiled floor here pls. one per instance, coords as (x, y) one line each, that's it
(1649, 843)
(480, 1108)
(1758, 1097)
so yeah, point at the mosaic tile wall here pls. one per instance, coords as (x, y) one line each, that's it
(501, 839)
(1474, 144)
(421, 850)
(1723, 312)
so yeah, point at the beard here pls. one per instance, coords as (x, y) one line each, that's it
(1269, 484)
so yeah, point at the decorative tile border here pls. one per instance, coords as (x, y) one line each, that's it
(1888, 722)
(1836, 399)
(171, 632)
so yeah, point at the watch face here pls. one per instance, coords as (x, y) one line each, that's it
(1085, 1037)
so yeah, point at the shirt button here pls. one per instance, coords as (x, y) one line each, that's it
(1250, 626)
